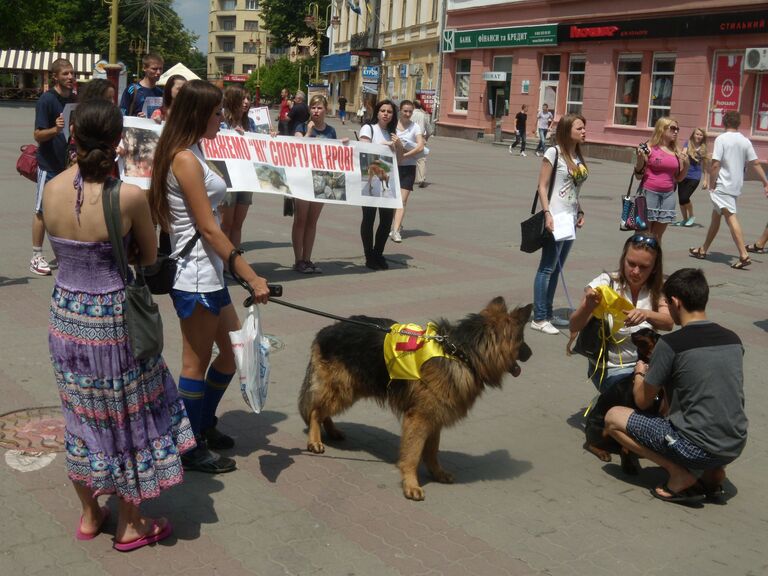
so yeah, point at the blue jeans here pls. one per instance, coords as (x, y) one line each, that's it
(553, 255)
(542, 140)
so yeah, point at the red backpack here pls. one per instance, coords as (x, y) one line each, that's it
(26, 165)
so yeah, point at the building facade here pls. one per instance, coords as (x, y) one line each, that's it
(237, 42)
(390, 49)
(620, 64)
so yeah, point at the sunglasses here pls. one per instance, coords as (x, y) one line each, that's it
(674, 128)
(642, 239)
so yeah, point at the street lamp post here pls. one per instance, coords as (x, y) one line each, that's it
(113, 69)
(313, 20)
(137, 47)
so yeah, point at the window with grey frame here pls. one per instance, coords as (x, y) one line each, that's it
(576, 72)
(461, 93)
(251, 4)
(660, 99)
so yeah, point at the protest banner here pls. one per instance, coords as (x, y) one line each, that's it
(314, 169)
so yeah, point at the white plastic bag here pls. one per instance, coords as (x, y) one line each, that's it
(251, 351)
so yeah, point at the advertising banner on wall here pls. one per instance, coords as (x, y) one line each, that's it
(314, 169)
(762, 104)
(726, 87)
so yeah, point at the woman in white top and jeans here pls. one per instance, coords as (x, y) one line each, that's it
(412, 138)
(184, 197)
(569, 174)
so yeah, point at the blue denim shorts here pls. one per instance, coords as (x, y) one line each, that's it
(659, 435)
(185, 302)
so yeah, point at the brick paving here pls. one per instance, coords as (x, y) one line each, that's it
(527, 498)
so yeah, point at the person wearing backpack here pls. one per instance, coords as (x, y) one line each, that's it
(51, 150)
(132, 102)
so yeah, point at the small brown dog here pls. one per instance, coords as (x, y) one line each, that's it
(347, 364)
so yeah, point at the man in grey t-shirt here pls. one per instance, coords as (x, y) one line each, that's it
(700, 369)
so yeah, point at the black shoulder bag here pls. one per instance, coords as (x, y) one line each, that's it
(533, 232)
(142, 316)
(161, 275)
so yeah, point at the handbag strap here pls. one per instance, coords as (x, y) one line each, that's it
(110, 202)
(629, 186)
(551, 184)
(189, 245)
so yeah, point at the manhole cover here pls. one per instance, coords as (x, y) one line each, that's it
(275, 344)
(33, 430)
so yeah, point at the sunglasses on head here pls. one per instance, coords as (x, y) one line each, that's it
(642, 239)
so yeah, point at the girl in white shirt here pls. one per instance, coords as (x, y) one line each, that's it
(184, 197)
(412, 138)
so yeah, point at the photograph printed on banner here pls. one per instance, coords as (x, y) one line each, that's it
(139, 147)
(220, 167)
(375, 171)
(272, 178)
(329, 185)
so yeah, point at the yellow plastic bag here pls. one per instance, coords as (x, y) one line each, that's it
(612, 305)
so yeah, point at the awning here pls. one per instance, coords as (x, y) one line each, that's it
(336, 63)
(28, 61)
(179, 69)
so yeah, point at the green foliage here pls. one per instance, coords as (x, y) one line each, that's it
(84, 27)
(285, 20)
(281, 74)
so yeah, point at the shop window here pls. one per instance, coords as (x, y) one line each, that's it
(461, 95)
(576, 68)
(627, 89)
(726, 86)
(550, 68)
(761, 106)
(661, 87)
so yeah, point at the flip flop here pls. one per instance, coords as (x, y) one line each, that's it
(741, 263)
(80, 535)
(697, 253)
(690, 494)
(145, 540)
(755, 249)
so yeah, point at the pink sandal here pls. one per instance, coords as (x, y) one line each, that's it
(80, 535)
(145, 540)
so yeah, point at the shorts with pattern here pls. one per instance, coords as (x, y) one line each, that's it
(659, 435)
(185, 302)
(661, 206)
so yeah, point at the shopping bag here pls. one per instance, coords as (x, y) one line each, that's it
(251, 351)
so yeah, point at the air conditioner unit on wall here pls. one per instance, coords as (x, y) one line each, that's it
(756, 60)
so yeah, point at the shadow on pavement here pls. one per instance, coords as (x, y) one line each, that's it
(13, 281)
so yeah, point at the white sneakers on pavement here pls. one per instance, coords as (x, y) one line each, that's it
(544, 326)
(38, 265)
(395, 235)
(523, 154)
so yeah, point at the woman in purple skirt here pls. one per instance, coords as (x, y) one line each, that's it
(126, 427)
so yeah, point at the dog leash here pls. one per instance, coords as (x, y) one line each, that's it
(276, 291)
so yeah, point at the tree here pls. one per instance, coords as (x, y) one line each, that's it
(285, 20)
(281, 74)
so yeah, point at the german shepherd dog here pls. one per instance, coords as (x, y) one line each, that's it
(620, 394)
(347, 364)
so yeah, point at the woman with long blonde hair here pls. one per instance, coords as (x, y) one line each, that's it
(698, 172)
(184, 198)
(660, 169)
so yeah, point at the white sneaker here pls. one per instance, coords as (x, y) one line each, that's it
(510, 149)
(545, 326)
(523, 154)
(539, 154)
(39, 266)
(395, 235)
(557, 321)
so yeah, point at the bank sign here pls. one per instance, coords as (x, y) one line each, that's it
(544, 35)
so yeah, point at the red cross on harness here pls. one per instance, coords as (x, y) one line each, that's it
(413, 343)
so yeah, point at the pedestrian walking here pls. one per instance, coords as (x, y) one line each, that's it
(410, 134)
(342, 103)
(543, 122)
(698, 173)
(732, 152)
(422, 120)
(521, 120)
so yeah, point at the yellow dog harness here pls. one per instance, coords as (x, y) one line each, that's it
(408, 346)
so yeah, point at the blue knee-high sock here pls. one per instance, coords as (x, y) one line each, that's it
(215, 385)
(192, 393)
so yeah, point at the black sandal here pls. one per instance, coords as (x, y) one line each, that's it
(755, 249)
(697, 253)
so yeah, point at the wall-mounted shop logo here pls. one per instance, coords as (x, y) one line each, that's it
(727, 88)
(594, 32)
(449, 40)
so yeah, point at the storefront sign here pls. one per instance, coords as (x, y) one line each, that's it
(494, 76)
(544, 35)
(726, 92)
(235, 77)
(726, 24)
(427, 99)
(371, 73)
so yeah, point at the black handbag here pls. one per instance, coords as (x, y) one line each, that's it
(590, 340)
(533, 232)
(142, 316)
(161, 275)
